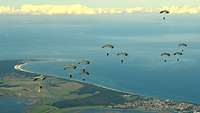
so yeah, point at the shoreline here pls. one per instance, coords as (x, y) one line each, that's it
(99, 95)
(19, 67)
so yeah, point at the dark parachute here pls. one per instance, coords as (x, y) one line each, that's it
(84, 72)
(177, 54)
(165, 55)
(84, 62)
(164, 12)
(109, 47)
(70, 67)
(123, 56)
(182, 46)
(40, 79)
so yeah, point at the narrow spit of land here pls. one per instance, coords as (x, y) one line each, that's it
(61, 96)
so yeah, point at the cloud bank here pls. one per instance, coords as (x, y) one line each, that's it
(78, 9)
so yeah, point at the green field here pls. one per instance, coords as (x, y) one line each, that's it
(63, 96)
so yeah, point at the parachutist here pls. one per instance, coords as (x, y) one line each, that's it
(109, 47)
(123, 56)
(107, 54)
(70, 76)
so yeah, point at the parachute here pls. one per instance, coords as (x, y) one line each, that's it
(164, 12)
(70, 67)
(84, 72)
(165, 55)
(182, 46)
(40, 78)
(123, 56)
(177, 54)
(84, 62)
(109, 47)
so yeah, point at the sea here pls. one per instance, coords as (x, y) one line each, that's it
(67, 39)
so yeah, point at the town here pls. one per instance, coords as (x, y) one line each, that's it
(152, 104)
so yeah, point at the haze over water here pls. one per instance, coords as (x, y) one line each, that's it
(143, 36)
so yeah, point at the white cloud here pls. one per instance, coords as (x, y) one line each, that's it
(80, 9)
(6, 10)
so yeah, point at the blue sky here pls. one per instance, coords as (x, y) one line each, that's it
(106, 3)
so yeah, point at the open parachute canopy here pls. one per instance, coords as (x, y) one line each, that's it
(84, 61)
(182, 45)
(178, 53)
(122, 54)
(165, 54)
(164, 12)
(40, 77)
(70, 66)
(108, 46)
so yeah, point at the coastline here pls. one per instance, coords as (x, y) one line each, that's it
(80, 94)
(19, 67)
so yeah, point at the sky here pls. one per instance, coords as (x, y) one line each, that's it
(106, 3)
(50, 7)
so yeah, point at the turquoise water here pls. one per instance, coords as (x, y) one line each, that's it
(12, 105)
(144, 36)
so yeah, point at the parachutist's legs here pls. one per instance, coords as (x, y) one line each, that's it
(84, 69)
(107, 54)
(163, 18)
(122, 61)
(40, 87)
(165, 60)
(182, 50)
(83, 79)
(70, 75)
(178, 59)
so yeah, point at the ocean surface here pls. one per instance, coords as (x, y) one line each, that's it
(67, 39)
(12, 105)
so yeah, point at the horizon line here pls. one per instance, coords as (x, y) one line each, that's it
(78, 9)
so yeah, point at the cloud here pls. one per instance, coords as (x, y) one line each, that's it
(78, 9)
(183, 9)
(6, 10)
